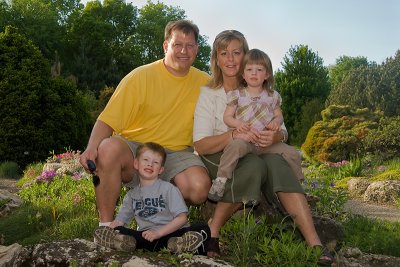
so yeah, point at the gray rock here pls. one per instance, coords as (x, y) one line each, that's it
(358, 186)
(13, 201)
(81, 252)
(383, 192)
(353, 257)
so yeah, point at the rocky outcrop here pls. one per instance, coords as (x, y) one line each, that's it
(79, 252)
(383, 192)
(358, 186)
(379, 192)
(353, 257)
(10, 200)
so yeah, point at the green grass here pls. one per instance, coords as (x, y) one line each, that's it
(373, 235)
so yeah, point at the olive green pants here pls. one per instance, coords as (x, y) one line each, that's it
(255, 175)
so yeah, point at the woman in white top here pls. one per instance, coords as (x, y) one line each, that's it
(268, 174)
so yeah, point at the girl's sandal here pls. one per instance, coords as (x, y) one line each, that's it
(213, 247)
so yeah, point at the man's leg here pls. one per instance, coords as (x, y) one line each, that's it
(194, 184)
(114, 166)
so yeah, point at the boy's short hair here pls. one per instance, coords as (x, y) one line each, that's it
(184, 26)
(156, 148)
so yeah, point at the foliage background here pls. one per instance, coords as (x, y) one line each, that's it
(81, 52)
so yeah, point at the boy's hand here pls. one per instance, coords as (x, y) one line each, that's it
(151, 235)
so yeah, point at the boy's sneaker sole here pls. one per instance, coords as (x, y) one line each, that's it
(107, 237)
(188, 242)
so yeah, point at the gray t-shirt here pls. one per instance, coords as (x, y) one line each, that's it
(152, 206)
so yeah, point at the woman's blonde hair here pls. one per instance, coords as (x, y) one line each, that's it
(222, 41)
(256, 56)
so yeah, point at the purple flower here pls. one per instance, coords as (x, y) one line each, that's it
(47, 175)
(77, 176)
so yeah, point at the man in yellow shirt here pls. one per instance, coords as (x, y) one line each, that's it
(154, 102)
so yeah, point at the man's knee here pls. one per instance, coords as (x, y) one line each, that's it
(194, 184)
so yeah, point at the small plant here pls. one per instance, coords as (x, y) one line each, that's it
(4, 202)
(242, 236)
(352, 168)
(9, 169)
(331, 199)
(283, 248)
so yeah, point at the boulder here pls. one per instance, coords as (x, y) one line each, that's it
(383, 192)
(353, 257)
(358, 186)
(11, 201)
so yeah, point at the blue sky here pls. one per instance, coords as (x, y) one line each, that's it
(369, 28)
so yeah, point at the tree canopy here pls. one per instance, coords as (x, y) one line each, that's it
(99, 43)
(38, 113)
(303, 84)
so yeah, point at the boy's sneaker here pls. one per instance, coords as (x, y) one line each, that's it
(108, 237)
(217, 189)
(188, 242)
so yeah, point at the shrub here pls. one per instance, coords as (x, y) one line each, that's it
(339, 135)
(9, 169)
(387, 175)
(384, 141)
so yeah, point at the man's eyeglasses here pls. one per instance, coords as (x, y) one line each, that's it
(92, 169)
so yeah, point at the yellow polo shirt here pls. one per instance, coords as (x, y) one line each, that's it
(152, 105)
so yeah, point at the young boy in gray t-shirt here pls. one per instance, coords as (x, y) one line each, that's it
(159, 210)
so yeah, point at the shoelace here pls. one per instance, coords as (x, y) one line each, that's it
(203, 233)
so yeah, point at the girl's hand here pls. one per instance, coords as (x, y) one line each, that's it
(273, 126)
(243, 127)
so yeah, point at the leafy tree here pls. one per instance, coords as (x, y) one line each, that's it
(38, 113)
(359, 89)
(343, 66)
(39, 21)
(96, 37)
(146, 44)
(337, 74)
(5, 16)
(389, 85)
(302, 82)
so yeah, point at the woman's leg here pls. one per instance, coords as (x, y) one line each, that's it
(242, 188)
(222, 213)
(297, 207)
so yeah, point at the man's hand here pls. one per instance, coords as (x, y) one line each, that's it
(88, 154)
